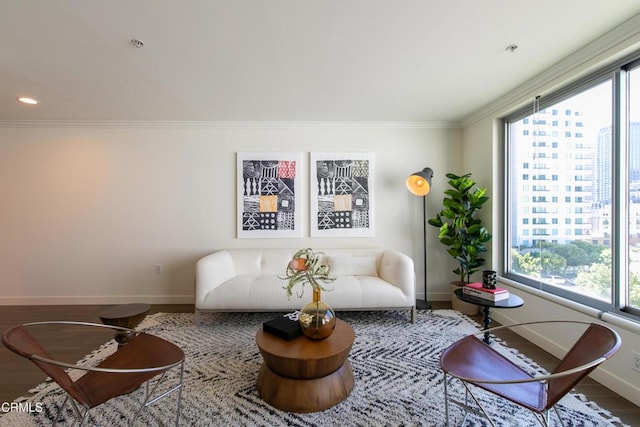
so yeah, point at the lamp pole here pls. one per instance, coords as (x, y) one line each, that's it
(419, 184)
(424, 305)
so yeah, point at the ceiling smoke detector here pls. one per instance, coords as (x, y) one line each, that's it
(137, 43)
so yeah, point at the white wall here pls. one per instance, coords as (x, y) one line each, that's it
(88, 210)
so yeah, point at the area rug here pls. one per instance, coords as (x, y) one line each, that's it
(398, 381)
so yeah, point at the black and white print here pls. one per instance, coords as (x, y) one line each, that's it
(269, 195)
(342, 194)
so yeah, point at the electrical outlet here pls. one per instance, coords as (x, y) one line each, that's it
(159, 269)
(635, 361)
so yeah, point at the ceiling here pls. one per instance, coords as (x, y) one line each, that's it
(283, 60)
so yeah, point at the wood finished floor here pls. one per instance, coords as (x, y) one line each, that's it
(17, 375)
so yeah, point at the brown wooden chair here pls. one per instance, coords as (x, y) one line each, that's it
(143, 358)
(478, 364)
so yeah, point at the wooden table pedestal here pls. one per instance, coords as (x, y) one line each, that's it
(303, 375)
(126, 316)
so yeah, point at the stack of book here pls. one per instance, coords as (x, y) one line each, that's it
(476, 290)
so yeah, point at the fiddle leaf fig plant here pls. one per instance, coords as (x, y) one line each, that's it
(460, 230)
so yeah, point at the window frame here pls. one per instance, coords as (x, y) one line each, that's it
(618, 73)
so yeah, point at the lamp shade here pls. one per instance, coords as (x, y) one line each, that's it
(419, 183)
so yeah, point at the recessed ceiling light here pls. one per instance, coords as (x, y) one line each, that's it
(137, 43)
(27, 100)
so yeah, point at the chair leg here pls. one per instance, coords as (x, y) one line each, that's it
(478, 404)
(150, 394)
(543, 419)
(197, 317)
(446, 400)
(77, 412)
(555, 409)
(180, 393)
(463, 405)
(466, 406)
(81, 416)
(60, 409)
(84, 417)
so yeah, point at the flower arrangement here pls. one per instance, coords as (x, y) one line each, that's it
(306, 267)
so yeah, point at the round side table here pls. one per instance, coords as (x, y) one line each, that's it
(514, 301)
(303, 375)
(126, 316)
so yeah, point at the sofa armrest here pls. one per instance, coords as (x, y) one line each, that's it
(212, 271)
(397, 269)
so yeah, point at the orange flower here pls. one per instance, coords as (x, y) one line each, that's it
(306, 267)
(298, 264)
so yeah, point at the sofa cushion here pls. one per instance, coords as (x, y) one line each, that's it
(266, 292)
(252, 292)
(226, 270)
(352, 292)
(261, 261)
(352, 265)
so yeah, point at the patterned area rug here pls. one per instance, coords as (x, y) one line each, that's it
(395, 363)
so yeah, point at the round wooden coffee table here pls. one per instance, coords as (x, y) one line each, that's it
(303, 375)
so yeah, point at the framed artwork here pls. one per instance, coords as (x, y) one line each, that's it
(269, 195)
(342, 194)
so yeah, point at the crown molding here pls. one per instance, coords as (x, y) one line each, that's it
(611, 46)
(109, 124)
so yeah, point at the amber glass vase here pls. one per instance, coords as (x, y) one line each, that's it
(317, 319)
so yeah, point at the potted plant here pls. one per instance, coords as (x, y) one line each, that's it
(461, 232)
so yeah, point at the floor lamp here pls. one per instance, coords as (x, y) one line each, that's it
(419, 183)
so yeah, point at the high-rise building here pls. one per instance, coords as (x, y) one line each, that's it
(602, 166)
(555, 177)
(565, 180)
(602, 163)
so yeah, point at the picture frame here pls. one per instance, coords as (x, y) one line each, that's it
(269, 195)
(341, 194)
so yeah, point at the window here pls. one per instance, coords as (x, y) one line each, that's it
(597, 252)
(633, 162)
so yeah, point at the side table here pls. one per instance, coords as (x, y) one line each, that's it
(303, 375)
(513, 301)
(126, 316)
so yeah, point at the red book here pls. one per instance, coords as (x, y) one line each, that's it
(478, 286)
(475, 289)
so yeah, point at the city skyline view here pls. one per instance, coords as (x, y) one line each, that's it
(567, 193)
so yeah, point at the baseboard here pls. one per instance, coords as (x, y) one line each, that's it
(97, 300)
(435, 296)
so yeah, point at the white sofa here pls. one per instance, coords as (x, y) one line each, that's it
(250, 280)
